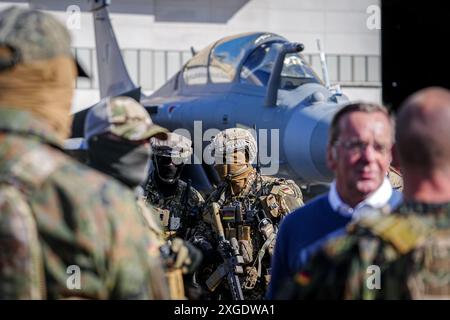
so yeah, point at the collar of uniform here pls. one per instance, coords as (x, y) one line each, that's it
(376, 200)
(25, 123)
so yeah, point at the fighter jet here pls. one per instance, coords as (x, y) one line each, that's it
(252, 80)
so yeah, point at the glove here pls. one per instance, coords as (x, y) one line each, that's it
(186, 256)
(206, 248)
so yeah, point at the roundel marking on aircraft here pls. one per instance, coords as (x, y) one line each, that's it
(171, 108)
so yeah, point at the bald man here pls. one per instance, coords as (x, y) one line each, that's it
(405, 255)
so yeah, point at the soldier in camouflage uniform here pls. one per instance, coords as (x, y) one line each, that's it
(176, 204)
(250, 206)
(117, 131)
(408, 250)
(58, 215)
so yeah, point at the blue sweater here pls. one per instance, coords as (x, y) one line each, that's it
(304, 231)
(301, 229)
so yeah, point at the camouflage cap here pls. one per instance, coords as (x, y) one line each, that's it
(176, 146)
(233, 139)
(122, 116)
(32, 35)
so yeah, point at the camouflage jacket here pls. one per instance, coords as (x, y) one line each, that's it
(156, 231)
(173, 212)
(262, 204)
(66, 231)
(152, 222)
(405, 255)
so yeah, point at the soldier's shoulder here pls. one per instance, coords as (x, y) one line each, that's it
(391, 236)
(402, 232)
(34, 163)
(90, 192)
(282, 186)
(43, 167)
(12, 201)
(75, 175)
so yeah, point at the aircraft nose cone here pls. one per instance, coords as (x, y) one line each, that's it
(305, 142)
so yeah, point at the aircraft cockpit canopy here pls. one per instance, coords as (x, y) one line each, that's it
(248, 59)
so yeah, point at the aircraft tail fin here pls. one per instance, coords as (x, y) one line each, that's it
(113, 75)
(115, 79)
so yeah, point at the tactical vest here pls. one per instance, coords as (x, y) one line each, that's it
(174, 276)
(169, 209)
(252, 218)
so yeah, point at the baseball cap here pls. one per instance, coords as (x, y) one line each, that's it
(31, 35)
(123, 117)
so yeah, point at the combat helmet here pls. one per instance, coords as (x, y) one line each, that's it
(169, 156)
(231, 140)
(175, 146)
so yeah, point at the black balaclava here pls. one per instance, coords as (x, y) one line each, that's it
(126, 161)
(166, 174)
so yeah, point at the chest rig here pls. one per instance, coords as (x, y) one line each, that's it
(170, 210)
(244, 218)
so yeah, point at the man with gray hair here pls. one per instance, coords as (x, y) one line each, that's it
(359, 153)
(405, 255)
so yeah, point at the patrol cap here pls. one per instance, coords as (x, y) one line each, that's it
(30, 35)
(122, 116)
(234, 139)
(175, 146)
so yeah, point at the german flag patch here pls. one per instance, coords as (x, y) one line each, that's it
(303, 278)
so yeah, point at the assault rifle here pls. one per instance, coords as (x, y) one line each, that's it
(232, 261)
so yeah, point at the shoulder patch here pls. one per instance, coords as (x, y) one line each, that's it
(36, 165)
(281, 188)
(287, 190)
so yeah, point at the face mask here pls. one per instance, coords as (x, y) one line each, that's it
(236, 164)
(124, 161)
(167, 171)
(222, 170)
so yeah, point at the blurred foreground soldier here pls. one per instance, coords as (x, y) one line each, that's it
(65, 230)
(244, 213)
(117, 133)
(405, 255)
(177, 202)
(359, 153)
